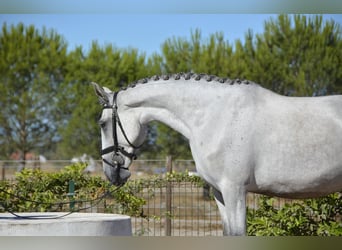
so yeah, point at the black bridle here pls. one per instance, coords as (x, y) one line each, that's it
(118, 151)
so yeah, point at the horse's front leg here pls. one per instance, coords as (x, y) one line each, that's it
(231, 202)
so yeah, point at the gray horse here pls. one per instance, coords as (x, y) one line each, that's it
(243, 138)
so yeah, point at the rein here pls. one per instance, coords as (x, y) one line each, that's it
(96, 200)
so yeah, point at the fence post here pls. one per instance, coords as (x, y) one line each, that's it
(168, 197)
(71, 195)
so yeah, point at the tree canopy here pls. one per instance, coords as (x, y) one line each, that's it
(108, 66)
(298, 56)
(48, 105)
(31, 70)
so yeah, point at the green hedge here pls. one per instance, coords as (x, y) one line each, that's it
(308, 217)
(35, 190)
(38, 191)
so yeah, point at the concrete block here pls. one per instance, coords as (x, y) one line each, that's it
(76, 224)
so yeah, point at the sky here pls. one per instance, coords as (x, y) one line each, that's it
(171, 6)
(146, 32)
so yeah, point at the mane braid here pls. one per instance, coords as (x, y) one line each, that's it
(187, 76)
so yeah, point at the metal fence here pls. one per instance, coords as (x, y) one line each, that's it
(177, 208)
(183, 209)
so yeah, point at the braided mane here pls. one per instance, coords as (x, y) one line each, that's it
(187, 76)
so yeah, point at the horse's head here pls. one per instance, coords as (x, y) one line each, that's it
(121, 132)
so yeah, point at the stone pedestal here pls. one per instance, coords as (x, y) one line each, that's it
(76, 224)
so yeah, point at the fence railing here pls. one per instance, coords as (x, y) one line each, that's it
(177, 208)
(183, 208)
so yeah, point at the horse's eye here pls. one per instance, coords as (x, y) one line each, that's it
(102, 124)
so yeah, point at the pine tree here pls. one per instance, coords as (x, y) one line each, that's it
(297, 55)
(31, 70)
(106, 65)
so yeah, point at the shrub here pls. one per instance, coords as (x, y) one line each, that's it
(37, 191)
(321, 216)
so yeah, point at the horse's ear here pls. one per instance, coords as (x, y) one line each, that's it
(101, 94)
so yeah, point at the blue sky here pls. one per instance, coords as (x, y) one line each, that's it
(170, 6)
(145, 32)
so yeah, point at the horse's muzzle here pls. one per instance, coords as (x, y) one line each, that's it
(115, 170)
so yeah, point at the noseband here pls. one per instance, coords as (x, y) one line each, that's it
(117, 160)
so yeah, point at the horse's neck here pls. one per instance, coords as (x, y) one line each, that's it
(182, 106)
(162, 102)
